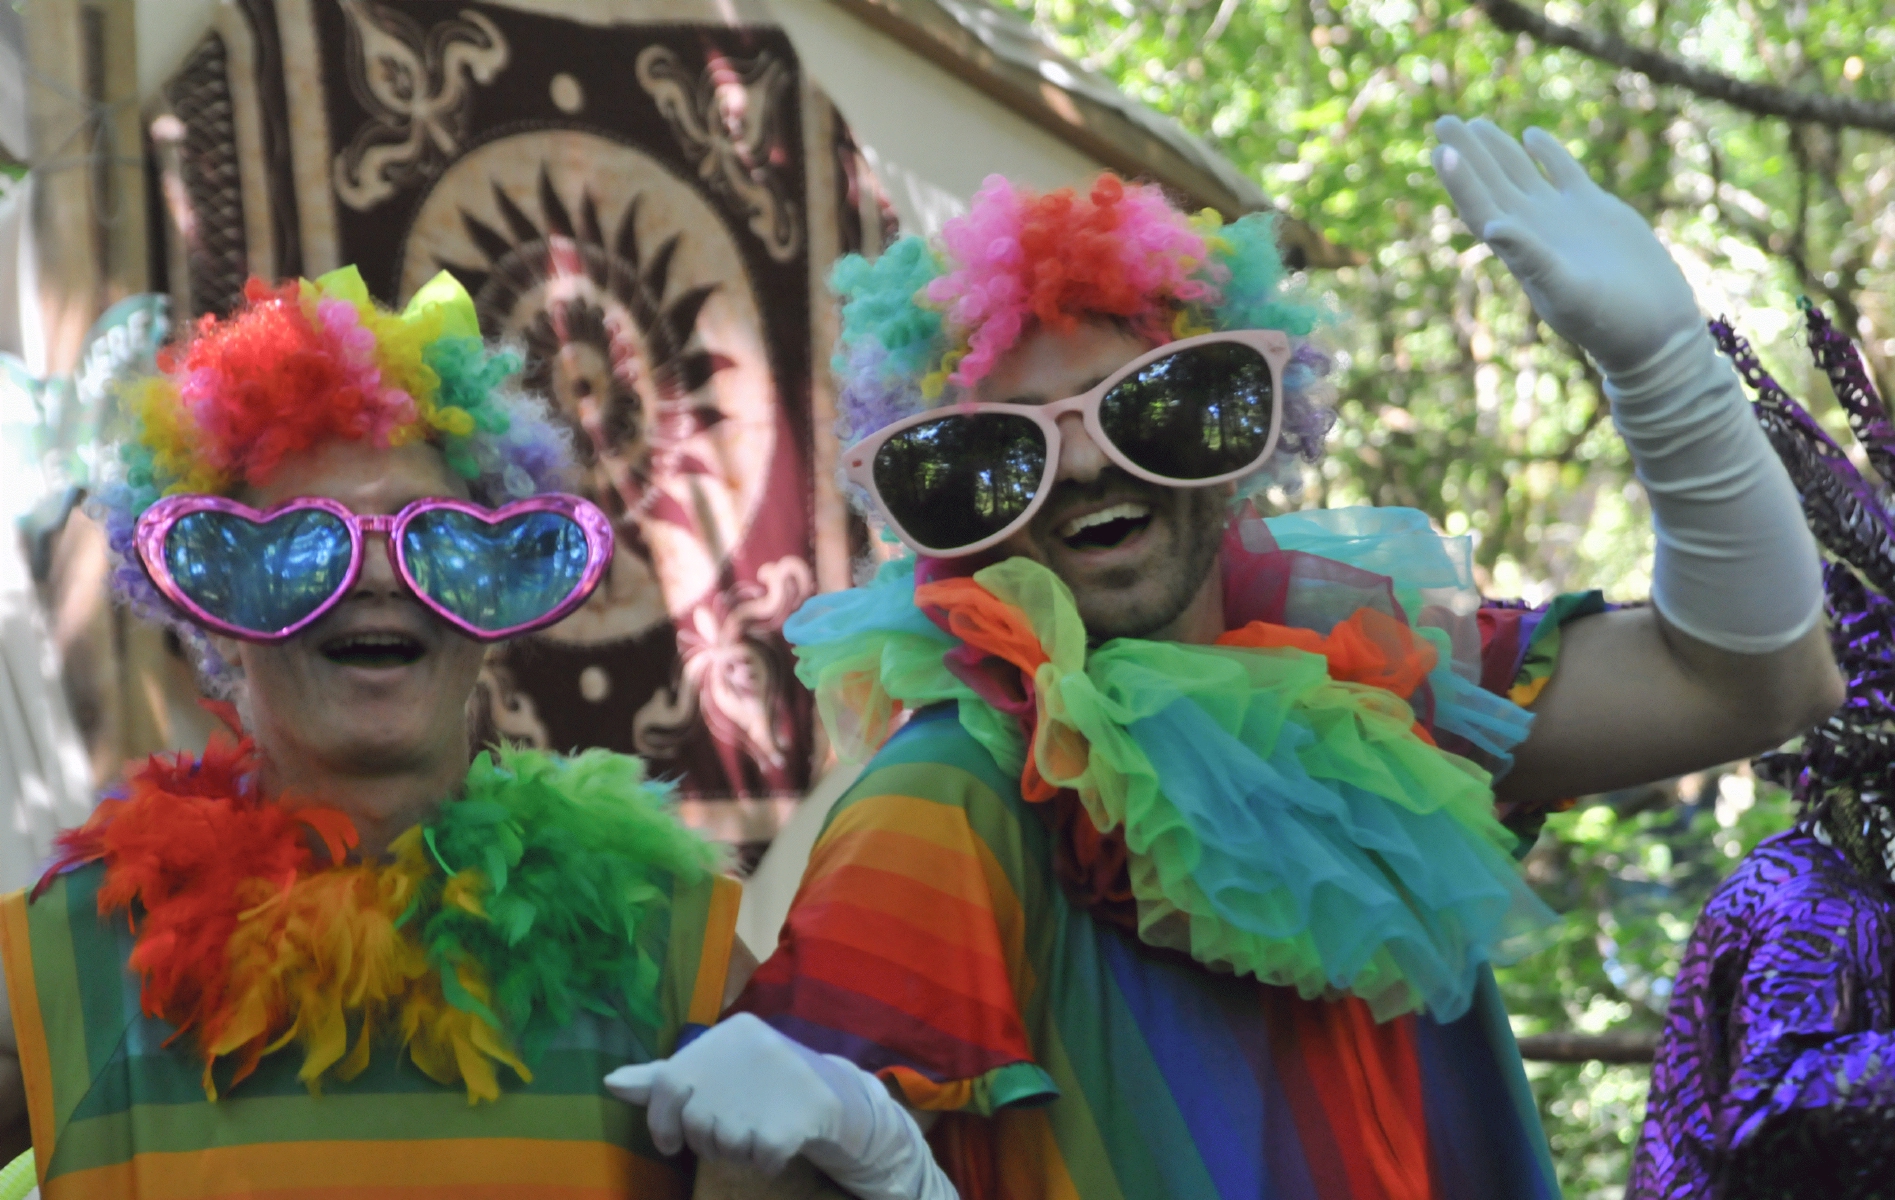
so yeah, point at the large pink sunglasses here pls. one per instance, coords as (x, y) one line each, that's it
(266, 576)
(1192, 413)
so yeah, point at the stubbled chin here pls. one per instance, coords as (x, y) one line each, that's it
(1141, 586)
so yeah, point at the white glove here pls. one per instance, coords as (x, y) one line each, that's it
(1591, 266)
(743, 1093)
(1736, 567)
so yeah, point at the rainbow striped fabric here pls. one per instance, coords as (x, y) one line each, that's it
(115, 1113)
(1519, 649)
(932, 943)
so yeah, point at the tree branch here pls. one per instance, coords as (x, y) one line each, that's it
(1763, 99)
(1617, 1047)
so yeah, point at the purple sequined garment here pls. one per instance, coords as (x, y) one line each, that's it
(1775, 1075)
(1782, 1022)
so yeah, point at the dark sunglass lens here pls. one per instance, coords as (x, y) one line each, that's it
(1198, 414)
(952, 482)
(259, 576)
(500, 576)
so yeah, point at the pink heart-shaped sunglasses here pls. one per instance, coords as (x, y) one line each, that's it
(266, 576)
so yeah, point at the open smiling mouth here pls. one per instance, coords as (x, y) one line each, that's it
(373, 650)
(1107, 528)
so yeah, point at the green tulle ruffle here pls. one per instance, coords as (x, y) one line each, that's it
(1282, 824)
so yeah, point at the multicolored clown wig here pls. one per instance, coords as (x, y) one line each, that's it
(926, 321)
(305, 364)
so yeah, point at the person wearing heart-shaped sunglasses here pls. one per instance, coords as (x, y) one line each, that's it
(1186, 840)
(339, 953)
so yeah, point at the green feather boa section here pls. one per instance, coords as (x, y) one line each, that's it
(557, 877)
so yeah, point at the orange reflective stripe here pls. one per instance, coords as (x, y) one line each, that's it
(36, 1061)
(720, 933)
(496, 1168)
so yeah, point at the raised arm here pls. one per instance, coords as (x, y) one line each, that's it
(1634, 699)
(1730, 659)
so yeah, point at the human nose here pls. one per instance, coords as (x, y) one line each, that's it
(1080, 459)
(378, 577)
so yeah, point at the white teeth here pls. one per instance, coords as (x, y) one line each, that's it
(372, 642)
(1118, 512)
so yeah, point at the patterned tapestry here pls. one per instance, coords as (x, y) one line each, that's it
(646, 208)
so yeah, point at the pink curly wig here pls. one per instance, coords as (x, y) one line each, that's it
(1020, 257)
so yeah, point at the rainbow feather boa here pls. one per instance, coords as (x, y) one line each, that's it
(1287, 814)
(531, 896)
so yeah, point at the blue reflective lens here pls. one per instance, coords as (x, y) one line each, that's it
(495, 577)
(263, 577)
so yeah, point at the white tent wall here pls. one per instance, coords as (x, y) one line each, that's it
(167, 31)
(45, 781)
(930, 137)
(19, 326)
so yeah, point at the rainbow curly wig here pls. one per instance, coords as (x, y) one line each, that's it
(926, 321)
(305, 364)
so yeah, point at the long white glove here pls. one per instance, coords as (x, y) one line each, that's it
(1736, 567)
(743, 1093)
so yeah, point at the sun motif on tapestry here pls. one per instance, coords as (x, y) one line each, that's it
(637, 319)
(636, 399)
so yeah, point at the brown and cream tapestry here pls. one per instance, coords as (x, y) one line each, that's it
(646, 207)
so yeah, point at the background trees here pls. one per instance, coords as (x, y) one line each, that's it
(1455, 400)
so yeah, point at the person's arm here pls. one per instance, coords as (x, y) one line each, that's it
(1731, 658)
(1633, 699)
(16, 1137)
(797, 1181)
(1809, 1109)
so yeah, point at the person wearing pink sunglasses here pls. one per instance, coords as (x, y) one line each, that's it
(339, 953)
(1186, 839)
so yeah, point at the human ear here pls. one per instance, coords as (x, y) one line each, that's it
(230, 650)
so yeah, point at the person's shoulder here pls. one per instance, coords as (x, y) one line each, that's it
(1793, 878)
(936, 757)
(81, 879)
(936, 781)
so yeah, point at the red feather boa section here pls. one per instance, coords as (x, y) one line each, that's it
(182, 843)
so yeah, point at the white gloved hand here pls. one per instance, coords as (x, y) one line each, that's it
(1590, 264)
(1724, 512)
(742, 1093)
